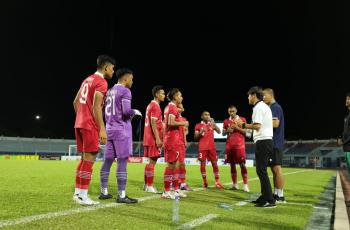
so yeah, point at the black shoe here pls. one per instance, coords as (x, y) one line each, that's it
(105, 197)
(279, 199)
(257, 201)
(266, 205)
(126, 200)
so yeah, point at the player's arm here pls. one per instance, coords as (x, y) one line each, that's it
(215, 127)
(275, 122)
(126, 105)
(226, 129)
(239, 129)
(185, 134)
(76, 101)
(276, 114)
(155, 132)
(198, 133)
(97, 112)
(173, 123)
(186, 131)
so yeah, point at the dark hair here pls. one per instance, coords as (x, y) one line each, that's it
(123, 71)
(172, 93)
(232, 106)
(270, 91)
(103, 60)
(204, 111)
(156, 89)
(257, 91)
(348, 94)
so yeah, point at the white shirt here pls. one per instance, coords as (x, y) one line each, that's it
(262, 115)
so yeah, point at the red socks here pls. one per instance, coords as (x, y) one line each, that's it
(149, 174)
(83, 175)
(233, 173)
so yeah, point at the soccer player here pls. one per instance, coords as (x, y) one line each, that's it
(118, 115)
(235, 147)
(89, 126)
(172, 144)
(182, 166)
(204, 133)
(278, 141)
(153, 135)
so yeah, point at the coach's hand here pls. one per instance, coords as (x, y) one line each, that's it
(103, 137)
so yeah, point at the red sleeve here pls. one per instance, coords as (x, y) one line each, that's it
(225, 124)
(173, 110)
(243, 119)
(101, 86)
(197, 127)
(153, 112)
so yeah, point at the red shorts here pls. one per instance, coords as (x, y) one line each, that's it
(209, 155)
(151, 151)
(87, 140)
(236, 156)
(172, 153)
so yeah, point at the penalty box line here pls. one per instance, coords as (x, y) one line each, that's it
(28, 219)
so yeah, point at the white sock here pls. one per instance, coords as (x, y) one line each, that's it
(104, 191)
(83, 193)
(276, 191)
(122, 194)
(77, 191)
(183, 184)
(280, 192)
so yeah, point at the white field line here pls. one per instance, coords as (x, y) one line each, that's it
(255, 178)
(297, 204)
(50, 215)
(197, 222)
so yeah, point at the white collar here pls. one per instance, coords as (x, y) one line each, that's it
(236, 117)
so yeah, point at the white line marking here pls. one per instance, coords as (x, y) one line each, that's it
(241, 203)
(50, 215)
(197, 222)
(297, 204)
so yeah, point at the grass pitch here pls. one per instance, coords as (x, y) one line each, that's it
(32, 188)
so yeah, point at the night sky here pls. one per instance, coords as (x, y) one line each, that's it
(214, 53)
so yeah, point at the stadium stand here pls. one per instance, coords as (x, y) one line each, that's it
(310, 153)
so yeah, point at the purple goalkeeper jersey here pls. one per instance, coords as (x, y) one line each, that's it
(118, 112)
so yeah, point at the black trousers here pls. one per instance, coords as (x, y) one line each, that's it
(263, 154)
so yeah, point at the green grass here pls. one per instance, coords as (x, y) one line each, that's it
(39, 187)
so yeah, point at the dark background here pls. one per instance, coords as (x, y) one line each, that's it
(213, 52)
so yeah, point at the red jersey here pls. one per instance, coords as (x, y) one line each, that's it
(182, 130)
(84, 115)
(171, 134)
(152, 111)
(235, 140)
(206, 142)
